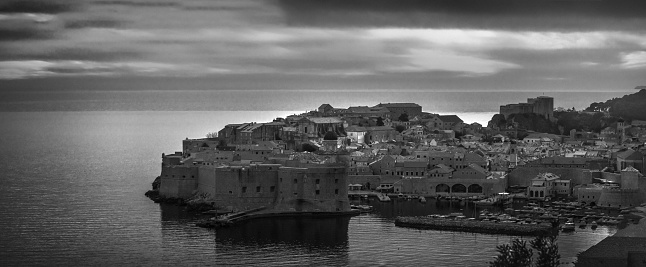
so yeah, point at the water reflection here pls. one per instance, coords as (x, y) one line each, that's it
(315, 241)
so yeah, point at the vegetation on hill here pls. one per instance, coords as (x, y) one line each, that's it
(583, 121)
(596, 117)
(527, 121)
(629, 107)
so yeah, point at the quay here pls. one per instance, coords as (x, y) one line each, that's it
(232, 219)
(475, 226)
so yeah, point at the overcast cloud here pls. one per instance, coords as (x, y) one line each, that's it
(302, 44)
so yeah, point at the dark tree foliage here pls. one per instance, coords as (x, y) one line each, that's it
(330, 136)
(403, 117)
(400, 128)
(630, 107)
(548, 251)
(516, 255)
(309, 147)
(380, 121)
(519, 255)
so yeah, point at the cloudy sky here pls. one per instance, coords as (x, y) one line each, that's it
(332, 44)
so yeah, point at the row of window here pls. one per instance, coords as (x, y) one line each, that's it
(259, 189)
(317, 181)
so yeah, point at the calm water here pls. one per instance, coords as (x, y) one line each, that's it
(72, 187)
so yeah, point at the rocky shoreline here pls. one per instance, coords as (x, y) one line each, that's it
(474, 226)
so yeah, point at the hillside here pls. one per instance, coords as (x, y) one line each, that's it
(527, 121)
(629, 107)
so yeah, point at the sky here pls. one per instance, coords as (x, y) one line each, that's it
(470, 45)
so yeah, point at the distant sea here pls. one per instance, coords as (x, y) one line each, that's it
(75, 166)
(474, 106)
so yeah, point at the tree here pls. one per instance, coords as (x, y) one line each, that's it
(403, 117)
(309, 147)
(548, 251)
(400, 128)
(518, 254)
(380, 121)
(212, 135)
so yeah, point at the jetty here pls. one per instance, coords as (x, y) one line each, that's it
(475, 226)
(263, 212)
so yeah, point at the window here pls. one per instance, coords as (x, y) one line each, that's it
(272, 188)
(295, 181)
(244, 189)
(318, 181)
(336, 191)
(318, 192)
(257, 189)
(336, 181)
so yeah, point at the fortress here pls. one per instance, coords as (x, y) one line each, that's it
(542, 105)
(302, 188)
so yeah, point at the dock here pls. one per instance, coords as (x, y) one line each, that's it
(229, 220)
(475, 226)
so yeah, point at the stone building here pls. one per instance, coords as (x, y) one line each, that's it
(542, 105)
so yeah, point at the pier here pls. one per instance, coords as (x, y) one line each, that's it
(474, 226)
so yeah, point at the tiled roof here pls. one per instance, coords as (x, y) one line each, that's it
(399, 105)
(355, 129)
(630, 155)
(325, 120)
(450, 118)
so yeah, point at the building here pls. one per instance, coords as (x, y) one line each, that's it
(542, 105)
(397, 109)
(302, 188)
(317, 127)
(631, 158)
(626, 248)
(542, 186)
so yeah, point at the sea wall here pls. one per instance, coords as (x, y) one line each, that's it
(244, 188)
(178, 181)
(620, 197)
(313, 189)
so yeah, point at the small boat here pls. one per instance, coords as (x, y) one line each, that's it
(422, 199)
(383, 198)
(582, 224)
(361, 208)
(593, 225)
(568, 227)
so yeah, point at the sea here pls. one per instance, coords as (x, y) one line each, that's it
(75, 167)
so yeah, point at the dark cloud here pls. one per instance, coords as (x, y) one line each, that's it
(138, 3)
(501, 14)
(25, 33)
(38, 6)
(93, 23)
(74, 53)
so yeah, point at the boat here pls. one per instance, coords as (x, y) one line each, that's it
(568, 227)
(486, 202)
(593, 225)
(422, 199)
(582, 224)
(383, 198)
(361, 208)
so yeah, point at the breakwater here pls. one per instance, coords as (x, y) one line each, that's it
(475, 226)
